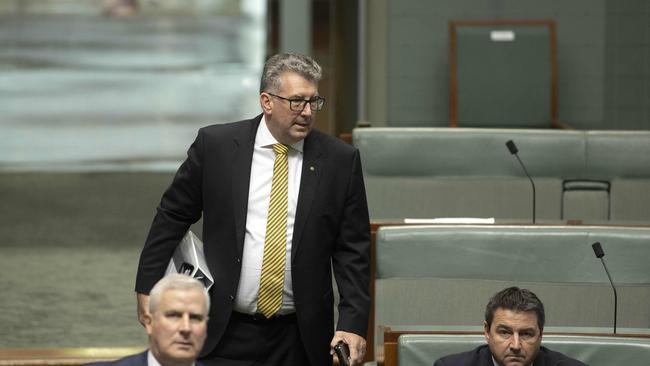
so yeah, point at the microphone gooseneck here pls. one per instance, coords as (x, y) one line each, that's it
(598, 251)
(513, 150)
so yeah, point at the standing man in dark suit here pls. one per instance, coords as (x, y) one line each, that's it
(282, 205)
(514, 322)
(176, 323)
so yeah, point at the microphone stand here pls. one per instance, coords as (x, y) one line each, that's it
(598, 251)
(613, 288)
(531, 183)
(513, 150)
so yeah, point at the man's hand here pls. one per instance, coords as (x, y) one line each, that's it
(143, 307)
(356, 344)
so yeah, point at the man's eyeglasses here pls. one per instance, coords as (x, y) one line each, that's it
(297, 104)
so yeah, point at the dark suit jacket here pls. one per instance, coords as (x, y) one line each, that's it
(481, 356)
(331, 229)
(139, 359)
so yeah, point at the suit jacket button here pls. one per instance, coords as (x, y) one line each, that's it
(231, 297)
(238, 260)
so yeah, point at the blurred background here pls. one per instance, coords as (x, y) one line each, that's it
(100, 99)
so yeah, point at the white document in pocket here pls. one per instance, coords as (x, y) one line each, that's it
(188, 259)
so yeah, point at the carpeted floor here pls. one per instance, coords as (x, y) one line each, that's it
(69, 246)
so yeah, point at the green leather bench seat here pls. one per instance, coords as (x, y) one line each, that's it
(503, 252)
(468, 172)
(423, 350)
(445, 274)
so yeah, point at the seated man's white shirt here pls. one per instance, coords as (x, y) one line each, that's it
(151, 360)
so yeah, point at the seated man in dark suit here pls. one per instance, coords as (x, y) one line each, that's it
(514, 322)
(177, 324)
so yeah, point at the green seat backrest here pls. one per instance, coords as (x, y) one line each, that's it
(561, 254)
(448, 152)
(416, 350)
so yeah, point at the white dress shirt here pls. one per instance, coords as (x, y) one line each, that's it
(259, 195)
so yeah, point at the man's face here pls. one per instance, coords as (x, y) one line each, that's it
(286, 125)
(514, 337)
(178, 327)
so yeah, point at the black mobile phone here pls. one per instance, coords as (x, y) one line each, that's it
(342, 352)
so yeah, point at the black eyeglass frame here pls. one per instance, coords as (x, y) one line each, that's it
(316, 104)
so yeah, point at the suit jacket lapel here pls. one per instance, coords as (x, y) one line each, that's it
(311, 170)
(244, 144)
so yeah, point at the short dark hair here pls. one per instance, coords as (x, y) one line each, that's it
(515, 299)
(302, 65)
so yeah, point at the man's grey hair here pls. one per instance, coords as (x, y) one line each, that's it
(518, 300)
(276, 65)
(176, 281)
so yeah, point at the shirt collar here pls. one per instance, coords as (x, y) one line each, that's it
(264, 138)
(151, 360)
(493, 361)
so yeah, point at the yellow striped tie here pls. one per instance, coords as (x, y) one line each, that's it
(272, 279)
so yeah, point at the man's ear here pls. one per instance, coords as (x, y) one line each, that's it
(266, 103)
(486, 330)
(148, 323)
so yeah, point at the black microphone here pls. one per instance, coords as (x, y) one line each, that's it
(513, 150)
(598, 251)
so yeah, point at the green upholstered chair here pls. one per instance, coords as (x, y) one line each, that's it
(503, 74)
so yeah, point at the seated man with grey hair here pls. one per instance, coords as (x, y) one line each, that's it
(176, 324)
(514, 322)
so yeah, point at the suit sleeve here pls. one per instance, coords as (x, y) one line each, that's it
(180, 207)
(351, 257)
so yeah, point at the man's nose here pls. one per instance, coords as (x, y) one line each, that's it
(307, 107)
(185, 324)
(515, 344)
